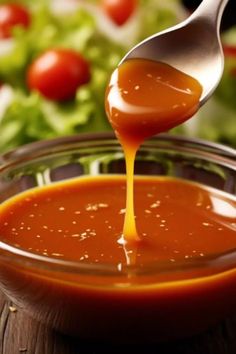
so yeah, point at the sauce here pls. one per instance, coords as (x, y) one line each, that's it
(82, 220)
(144, 98)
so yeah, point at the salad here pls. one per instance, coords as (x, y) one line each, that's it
(57, 56)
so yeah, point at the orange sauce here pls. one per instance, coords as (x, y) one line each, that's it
(82, 221)
(145, 98)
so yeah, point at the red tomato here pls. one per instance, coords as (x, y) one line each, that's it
(58, 73)
(119, 10)
(230, 51)
(12, 15)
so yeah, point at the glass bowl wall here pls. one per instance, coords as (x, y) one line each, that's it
(59, 293)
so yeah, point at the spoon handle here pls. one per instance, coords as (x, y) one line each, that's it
(211, 11)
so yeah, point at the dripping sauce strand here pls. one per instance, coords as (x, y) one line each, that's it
(145, 98)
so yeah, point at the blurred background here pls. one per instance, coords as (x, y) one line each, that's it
(229, 17)
(56, 57)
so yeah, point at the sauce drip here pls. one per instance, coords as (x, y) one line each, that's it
(144, 98)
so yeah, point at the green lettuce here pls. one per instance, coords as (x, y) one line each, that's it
(31, 117)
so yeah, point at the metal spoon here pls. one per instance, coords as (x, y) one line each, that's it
(193, 46)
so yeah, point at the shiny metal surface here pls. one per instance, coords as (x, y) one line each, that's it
(193, 46)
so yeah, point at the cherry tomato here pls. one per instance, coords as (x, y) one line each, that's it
(230, 51)
(58, 73)
(119, 10)
(12, 15)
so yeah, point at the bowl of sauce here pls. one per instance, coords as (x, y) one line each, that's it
(62, 258)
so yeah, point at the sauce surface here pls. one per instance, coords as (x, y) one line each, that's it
(144, 98)
(82, 220)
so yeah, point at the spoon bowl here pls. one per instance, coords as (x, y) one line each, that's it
(193, 46)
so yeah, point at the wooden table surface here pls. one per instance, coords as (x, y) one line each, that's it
(21, 334)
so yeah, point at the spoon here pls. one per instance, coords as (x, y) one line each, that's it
(193, 46)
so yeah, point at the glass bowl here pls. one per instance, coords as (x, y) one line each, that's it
(187, 297)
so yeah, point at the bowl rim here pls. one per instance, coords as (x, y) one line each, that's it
(41, 145)
(225, 261)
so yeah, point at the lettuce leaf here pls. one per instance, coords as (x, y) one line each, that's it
(30, 117)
